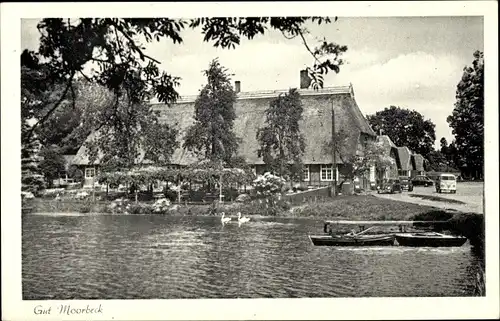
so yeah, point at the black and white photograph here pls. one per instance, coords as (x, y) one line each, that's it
(240, 156)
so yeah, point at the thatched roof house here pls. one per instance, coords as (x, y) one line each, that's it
(407, 163)
(250, 108)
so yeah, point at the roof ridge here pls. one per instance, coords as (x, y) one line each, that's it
(335, 90)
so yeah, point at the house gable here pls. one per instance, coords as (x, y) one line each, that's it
(404, 156)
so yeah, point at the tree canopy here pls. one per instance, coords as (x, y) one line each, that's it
(405, 128)
(135, 135)
(280, 140)
(467, 119)
(70, 125)
(32, 179)
(211, 136)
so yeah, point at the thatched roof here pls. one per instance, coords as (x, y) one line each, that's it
(82, 156)
(418, 161)
(250, 110)
(386, 142)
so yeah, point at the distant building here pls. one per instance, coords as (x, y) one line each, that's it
(406, 163)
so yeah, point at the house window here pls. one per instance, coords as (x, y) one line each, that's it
(326, 173)
(89, 172)
(305, 173)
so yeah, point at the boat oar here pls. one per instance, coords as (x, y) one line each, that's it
(364, 231)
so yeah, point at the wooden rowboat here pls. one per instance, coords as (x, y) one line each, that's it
(430, 239)
(352, 240)
(380, 239)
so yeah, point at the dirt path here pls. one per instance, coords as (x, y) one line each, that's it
(469, 206)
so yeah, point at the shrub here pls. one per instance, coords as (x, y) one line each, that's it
(230, 194)
(161, 206)
(119, 205)
(171, 195)
(85, 208)
(196, 196)
(138, 208)
(268, 184)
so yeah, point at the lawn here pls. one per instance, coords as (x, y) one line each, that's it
(358, 207)
(355, 207)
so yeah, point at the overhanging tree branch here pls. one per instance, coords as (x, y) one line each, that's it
(56, 105)
(132, 43)
(304, 41)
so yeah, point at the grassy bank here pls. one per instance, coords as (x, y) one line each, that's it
(470, 225)
(355, 207)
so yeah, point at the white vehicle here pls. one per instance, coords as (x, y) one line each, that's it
(446, 183)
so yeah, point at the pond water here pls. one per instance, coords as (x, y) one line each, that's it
(164, 257)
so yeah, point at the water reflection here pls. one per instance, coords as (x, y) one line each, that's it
(158, 257)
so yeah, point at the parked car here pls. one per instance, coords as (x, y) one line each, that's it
(446, 183)
(422, 180)
(392, 185)
(406, 184)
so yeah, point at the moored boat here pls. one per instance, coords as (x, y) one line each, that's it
(352, 240)
(430, 239)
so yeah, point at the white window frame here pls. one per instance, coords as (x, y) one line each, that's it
(90, 169)
(308, 171)
(326, 168)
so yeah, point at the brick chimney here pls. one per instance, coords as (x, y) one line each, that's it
(237, 86)
(305, 81)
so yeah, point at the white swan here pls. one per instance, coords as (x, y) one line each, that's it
(242, 219)
(224, 219)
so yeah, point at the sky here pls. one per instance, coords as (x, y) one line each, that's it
(411, 62)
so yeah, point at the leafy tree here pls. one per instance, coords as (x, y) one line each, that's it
(52, 164)
(70, 125)
(449, 152)
(159, 142)
(280, 140)
(37, 92)
(467, 119)
(212, 136)
(444, 145)
(374, 155)
(454, 158)
(75, 173)
(405, 128)
(435, 161)
(31, 177)
(113, 46)
(135, 135)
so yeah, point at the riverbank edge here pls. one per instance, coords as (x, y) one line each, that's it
(468, 224)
